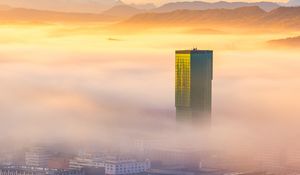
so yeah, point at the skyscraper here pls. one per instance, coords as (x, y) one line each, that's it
(194, 74)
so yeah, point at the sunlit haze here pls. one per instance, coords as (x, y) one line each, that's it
(110, 82)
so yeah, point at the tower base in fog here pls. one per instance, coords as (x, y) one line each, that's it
(195, 118)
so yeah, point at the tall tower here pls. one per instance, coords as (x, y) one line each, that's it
(194, 75)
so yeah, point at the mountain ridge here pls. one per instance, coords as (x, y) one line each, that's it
(4, 7)
(122, 11)
(98, 6)
(247, 17)
(125, 10)
(286, 42)
(146, 6)
(181, 16)
(79, 6)
(202, 5)
(33, 15)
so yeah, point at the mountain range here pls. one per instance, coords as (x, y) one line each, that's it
(84, 6)
(124, 10)
(287, 42)
(112, 6)
(250, 17)
(98, 6)
(201, 5)
(31, 15)
(4, 7)
(147, 6)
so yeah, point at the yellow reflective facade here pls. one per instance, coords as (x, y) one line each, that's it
(183, 80)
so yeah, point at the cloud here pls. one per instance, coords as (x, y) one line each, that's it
(85, 88)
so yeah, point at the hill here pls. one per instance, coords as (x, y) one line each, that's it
(198, 17)
(287, 17)
(82, 6)
(147, 6)
(4, 7)
(248, 17)
(200, 5)
(30, 15)
(287, 42)
(123, 11)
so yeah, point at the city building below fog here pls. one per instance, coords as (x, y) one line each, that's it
(115, 165)
(37, 156)
(84, 159)
(109, 164)
(29, 170)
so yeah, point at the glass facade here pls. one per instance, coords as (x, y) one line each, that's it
(194, 74)
(183, 80)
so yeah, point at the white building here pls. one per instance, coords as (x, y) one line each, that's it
(37, 157)
(123, 166)
(27, 170)
(87, 160)
(113, 165)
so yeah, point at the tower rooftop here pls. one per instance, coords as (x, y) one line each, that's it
(193, 51)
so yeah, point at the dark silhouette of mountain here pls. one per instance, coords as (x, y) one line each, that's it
(122, 11)
(287, 42)
(30, 15)
(250, 17)
(200, 5)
